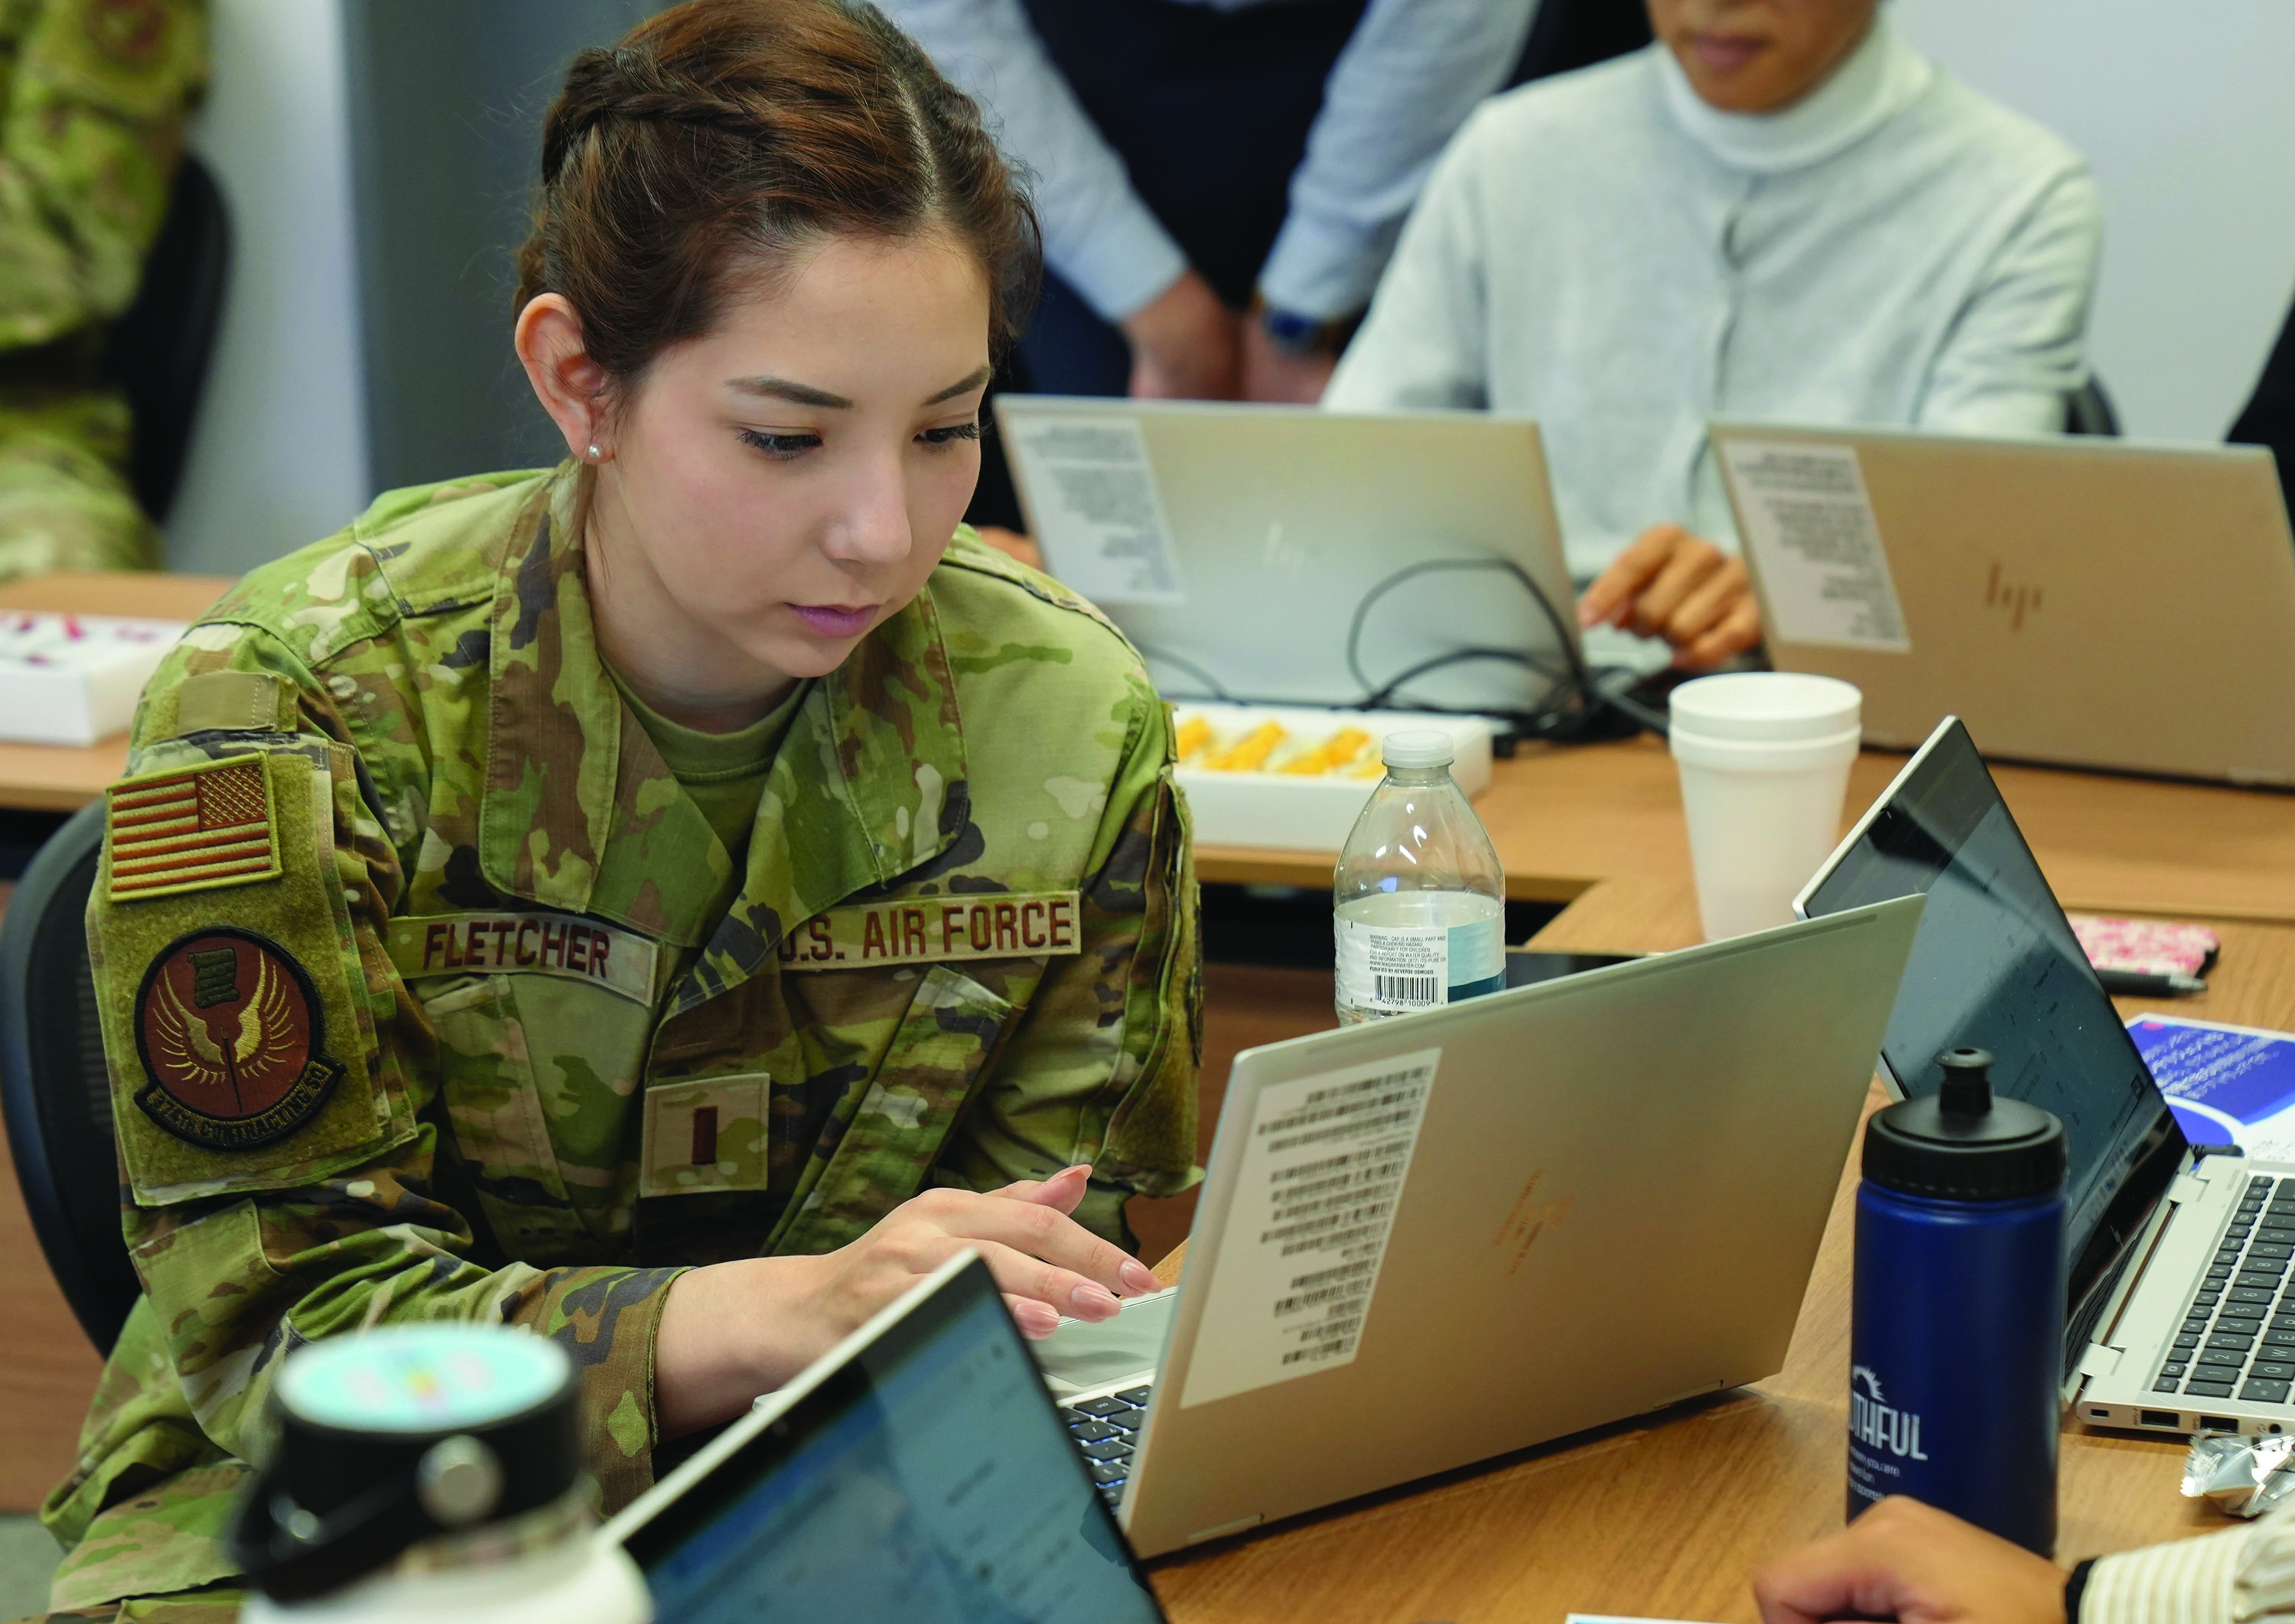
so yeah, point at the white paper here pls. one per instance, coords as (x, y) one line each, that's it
(1098, 518)
(1324, 1162)
(1810, 527)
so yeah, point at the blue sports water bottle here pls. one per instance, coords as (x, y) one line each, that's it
(1956, 1344)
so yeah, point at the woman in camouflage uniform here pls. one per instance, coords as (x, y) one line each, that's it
(669, 901)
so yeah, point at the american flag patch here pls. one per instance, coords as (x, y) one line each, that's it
(191, 829)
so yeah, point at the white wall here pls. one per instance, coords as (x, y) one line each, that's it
(279, 456)
(2186, 113)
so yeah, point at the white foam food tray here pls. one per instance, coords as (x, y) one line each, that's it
(1295, 778)
(74, 679)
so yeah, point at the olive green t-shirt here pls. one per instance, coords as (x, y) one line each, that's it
(722, 773)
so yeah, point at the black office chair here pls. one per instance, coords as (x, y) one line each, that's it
(53, 1088)
(158, 350)
(2088, 410)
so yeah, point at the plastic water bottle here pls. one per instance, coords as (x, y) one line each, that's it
(1419, 897)
(1957, 1338)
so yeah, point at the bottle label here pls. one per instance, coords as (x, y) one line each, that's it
(1397, 968)
(1881, 1439)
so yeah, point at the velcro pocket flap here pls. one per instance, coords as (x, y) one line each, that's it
(704, 1135)
(239, 1046)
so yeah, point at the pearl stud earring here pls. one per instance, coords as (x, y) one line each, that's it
(595, 454)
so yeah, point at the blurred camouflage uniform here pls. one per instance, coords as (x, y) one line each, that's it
(960, 949)
(93, 97)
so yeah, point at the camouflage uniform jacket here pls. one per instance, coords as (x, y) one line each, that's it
(422, 1002)
(93, 97)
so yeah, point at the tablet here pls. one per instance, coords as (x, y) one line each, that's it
(919, 1474)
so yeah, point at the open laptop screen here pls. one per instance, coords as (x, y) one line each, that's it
(928, 1481)
(1996, 966)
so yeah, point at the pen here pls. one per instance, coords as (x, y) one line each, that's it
(2149, 983)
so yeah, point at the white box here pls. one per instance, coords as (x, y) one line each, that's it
(1289, 812)
(74, 679)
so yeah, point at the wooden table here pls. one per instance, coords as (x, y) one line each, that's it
(58, 778)
(1567, 818)
(1663, 1517)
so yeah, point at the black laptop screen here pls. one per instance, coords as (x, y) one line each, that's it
(1996, 966)
(928, 1481)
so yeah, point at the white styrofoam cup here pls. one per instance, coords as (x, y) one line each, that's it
(1764, 759)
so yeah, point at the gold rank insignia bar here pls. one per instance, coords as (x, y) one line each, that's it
(936, 930)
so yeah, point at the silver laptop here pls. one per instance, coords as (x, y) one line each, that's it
(1437, 1238)
(2176, 1261)
(2090, 603)
(914, 1474)
(1290, 555)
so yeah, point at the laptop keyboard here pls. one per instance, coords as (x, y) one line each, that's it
(1106, 1430)
(2238, 1338)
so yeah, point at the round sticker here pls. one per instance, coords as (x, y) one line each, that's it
(233, 1037)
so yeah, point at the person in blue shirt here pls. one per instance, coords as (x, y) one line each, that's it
(1221, 181)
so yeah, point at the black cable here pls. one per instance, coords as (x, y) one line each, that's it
(1574, 698)
(1577, 674)
(1383, 697)
(1217, 690)
(1655, 721)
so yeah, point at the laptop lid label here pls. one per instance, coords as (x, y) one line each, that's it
(1324, 1163)
(1808, 525)
(1098, 513)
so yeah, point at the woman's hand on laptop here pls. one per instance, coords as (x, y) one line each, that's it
(1911, 1563)
(1676, 586)
(732, 1331)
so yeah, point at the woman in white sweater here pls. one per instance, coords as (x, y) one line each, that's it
(1778, 210)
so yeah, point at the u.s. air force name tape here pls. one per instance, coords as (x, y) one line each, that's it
(928, 930)
(936, 930)
(537, 943)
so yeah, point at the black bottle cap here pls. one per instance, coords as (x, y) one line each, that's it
(392, 1437)
(1960, 1144)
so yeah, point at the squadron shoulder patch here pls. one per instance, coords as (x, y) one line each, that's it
(233, 1037)
(192, 828)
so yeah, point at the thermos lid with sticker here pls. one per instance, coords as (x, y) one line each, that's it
(1962, 1143)
(389, 1437)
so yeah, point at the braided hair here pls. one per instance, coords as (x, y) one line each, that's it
(723, 135)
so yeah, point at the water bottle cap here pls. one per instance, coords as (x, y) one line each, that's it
(1418, 748)
(390, 1437)
(1963, 1144)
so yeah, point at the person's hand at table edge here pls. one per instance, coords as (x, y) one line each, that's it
(1678, 586)
(1911, 1563)
(1185, 344)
